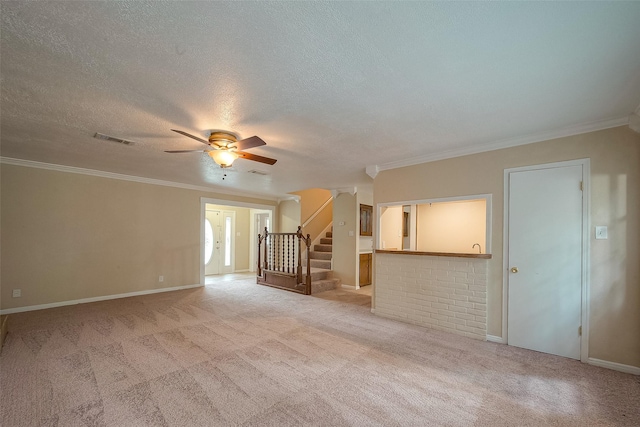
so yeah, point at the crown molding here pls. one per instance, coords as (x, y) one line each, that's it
(350, 190)
(131, 178)
(294, 198)
(372, 171)
(500, 144)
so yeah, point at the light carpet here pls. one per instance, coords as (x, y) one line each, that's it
(236, 353)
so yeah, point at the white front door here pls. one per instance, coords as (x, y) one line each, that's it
(545, 259)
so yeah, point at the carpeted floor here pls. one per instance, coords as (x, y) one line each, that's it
(236, 353)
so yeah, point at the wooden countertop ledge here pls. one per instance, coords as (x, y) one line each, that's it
(444, 254)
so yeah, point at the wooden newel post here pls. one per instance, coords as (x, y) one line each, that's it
(266, 243)
(307, 242)
(299, 267)
(260, 239)
(308, 284)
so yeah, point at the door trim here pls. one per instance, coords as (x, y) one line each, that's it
(586, 246)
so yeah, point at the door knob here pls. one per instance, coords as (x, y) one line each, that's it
(514, 269)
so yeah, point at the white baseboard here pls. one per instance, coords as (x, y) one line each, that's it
(246, 270)
(348, 286)
(615, 366)
(94, 299)
(493, 338)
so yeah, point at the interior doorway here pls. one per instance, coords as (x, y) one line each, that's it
(545, 257)
(228, 236)
(263, 220)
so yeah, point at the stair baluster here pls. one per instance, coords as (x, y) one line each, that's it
(279, 266)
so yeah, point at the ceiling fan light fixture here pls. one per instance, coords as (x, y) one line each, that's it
(224, 148)
(224, 158)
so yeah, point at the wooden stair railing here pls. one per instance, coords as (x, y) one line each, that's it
(280, 261)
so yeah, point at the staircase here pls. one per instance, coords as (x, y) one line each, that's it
(320, 259)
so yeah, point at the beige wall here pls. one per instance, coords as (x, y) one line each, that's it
(320, 222)
(242, 241)
(615, 201)
(67, 236)
(310, 201)
(345, 254)
(289, 214)
(241, 237)
(452, 226)
(346, 249)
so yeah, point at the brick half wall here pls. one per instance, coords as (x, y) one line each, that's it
(444, 293)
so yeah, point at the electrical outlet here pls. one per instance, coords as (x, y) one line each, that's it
(351, 234)
(17, 293)
(161, 279)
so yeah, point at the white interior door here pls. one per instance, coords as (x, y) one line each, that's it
(545, 259)
(212, 242)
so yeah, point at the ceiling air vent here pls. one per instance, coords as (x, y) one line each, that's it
(112, 139)
(257, 172)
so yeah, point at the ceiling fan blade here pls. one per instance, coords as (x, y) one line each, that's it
(255, 157)
(185, 151)
(204, 141)
(247, 143)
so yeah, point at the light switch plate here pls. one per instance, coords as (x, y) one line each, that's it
(601, 232)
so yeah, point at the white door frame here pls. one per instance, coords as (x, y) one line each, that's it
(203, 207)
(586, 245)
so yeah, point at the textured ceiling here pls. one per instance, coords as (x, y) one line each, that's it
(331, 87)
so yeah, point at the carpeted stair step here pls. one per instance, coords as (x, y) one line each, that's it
(320, 263)
(318, 274)
(322, 248)
(320, 260)
(320, 255)
(324, 285)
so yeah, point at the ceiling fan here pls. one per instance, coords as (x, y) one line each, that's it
(225, 148)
